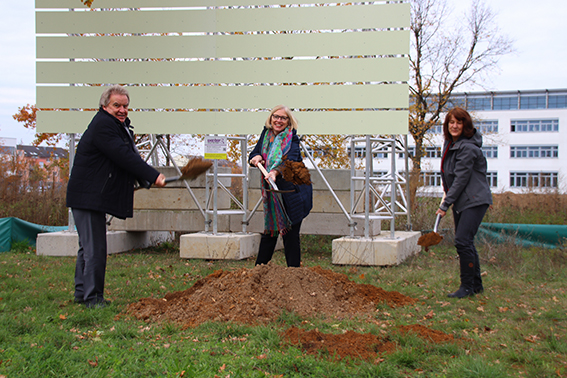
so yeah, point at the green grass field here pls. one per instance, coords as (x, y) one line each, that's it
(516, 328)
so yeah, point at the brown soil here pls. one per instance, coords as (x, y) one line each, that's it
(260, 295)
(429, 239)
(352, 344)
(427, 333)
(296, 172)
(195, 167)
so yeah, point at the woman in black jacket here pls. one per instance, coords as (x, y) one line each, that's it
(463, 169)
(283, 215)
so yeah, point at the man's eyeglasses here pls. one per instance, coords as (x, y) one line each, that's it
(280, 118)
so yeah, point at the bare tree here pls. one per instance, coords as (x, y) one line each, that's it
(447, 52)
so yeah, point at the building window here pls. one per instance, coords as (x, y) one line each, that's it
(492, 178)
(411, 152)
(534, 125)
(437, 129)
(360, 153)
(431, 178)
(532, 102)
(457, 100)
(490, 152)
(487, 126)
(534, 152)
(380, 173)
(557, 101)
(533, 179)
(433, 152)
(479, 103)
(505, 103)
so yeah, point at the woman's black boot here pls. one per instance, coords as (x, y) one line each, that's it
(477, 288)
(467, 278)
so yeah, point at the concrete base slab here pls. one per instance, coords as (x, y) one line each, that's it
(66, 243)
(379, 250)
(233, 246)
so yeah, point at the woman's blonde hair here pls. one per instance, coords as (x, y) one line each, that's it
(292, 120)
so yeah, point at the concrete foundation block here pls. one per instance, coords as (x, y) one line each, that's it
(66, 243)
(376, 251)
(231, 246)
(165, 220)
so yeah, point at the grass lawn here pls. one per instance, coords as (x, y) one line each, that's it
(516, 328)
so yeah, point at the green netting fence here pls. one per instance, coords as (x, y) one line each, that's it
(525, 235)
(14, 230)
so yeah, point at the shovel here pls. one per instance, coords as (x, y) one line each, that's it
(276, 191)
(431, 238)
(194, 168)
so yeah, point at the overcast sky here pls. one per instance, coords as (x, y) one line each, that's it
(538, 29)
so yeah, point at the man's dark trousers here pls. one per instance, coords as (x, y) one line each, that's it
(91, 257)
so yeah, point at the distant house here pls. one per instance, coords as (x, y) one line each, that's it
(34, 166)
(42, 156)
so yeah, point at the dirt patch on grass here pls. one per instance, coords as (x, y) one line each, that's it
(260, 295)
(350, 344)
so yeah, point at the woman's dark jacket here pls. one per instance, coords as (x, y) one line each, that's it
(105, 168)
(298, 203)
(464, 174)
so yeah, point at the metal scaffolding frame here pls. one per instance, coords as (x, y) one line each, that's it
(383, 196)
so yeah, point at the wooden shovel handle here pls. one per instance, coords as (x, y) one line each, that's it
(265, 173)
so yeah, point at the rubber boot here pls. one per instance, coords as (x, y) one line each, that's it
(467, 278)
(477, 287)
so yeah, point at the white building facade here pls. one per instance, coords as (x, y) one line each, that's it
(524, 141)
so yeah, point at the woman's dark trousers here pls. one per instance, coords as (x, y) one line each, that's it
(467, 223)
(291, 245)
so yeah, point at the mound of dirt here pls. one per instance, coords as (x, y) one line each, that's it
(261, 294)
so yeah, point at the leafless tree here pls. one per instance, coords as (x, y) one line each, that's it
(447, 52)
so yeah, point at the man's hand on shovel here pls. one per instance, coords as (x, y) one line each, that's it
(160, 181)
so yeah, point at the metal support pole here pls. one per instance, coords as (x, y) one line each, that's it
(215, 196)
(393, 191)
(408, 189)
(367, 187)
(352, 185)
(244, 163)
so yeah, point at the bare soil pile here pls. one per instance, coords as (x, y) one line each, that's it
(261, 294)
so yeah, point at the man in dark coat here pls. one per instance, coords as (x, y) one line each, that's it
(105, 169)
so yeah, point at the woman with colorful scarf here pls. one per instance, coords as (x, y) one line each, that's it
(283, 212)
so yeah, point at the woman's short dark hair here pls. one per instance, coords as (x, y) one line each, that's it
(462, 115)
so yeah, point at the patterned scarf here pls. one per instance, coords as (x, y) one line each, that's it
(274, 147)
